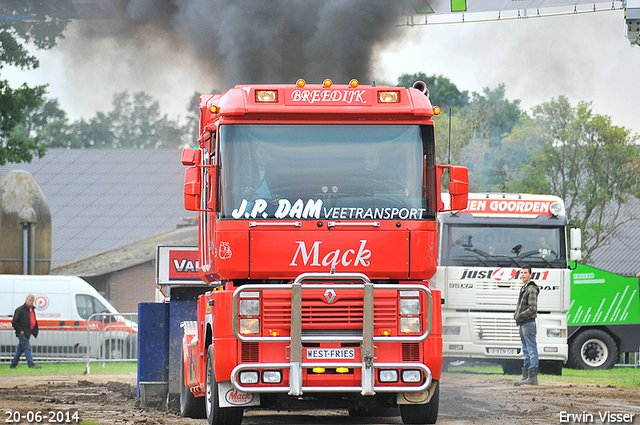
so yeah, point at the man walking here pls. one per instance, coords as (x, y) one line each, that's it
(25, 323)
(525, 317)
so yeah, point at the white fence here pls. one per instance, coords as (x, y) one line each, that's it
(105, 337)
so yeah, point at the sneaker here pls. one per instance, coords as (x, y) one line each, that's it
(35, 366)
(12, 366)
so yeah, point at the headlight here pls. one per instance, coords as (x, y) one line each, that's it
(249, 326)
(451, 330)
(556, 333)
(271, 377)
(411, 376)
(555, 208)
(250, 377)
(388, 376)
(409, 306)
(409, 324)
(249, 307)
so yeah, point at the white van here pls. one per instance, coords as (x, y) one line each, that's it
(73, 318)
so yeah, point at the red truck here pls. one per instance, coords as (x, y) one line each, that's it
(318, 237)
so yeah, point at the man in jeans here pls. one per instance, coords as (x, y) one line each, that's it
(525, 317)
(25, 323)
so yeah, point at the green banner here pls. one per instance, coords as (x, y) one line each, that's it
(600, 297)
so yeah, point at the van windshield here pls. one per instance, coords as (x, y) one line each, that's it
(88, 305)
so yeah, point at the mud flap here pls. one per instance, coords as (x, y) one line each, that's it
(230, 397)
(422, 397)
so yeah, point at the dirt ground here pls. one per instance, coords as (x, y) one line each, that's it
(465, 398)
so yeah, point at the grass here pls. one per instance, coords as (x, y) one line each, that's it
(69, 369)
(621, 377)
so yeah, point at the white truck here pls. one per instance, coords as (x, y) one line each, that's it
(481, 252)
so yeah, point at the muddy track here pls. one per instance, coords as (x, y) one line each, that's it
(465, 399)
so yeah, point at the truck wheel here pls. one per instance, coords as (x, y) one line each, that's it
(551, 367)
(215, 414)
(593, 349)
(190, 405)
(422, 413)
(512, 367)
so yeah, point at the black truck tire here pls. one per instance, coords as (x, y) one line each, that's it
(593, 349)
(215, 414)
(190, 405)
(422, 413)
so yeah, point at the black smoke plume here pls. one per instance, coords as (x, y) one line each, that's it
(258, 41)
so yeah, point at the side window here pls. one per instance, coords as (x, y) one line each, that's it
(88, 305)
(85, 306)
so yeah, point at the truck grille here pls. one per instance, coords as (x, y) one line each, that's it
(495, 329)
(342, 316)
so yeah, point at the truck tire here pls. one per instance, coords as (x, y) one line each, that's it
(512, 367)
(551, 367)
(190, 405)
(215, 414)
(422, 413)
(593, 349)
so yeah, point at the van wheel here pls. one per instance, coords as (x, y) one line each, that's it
(215, 414)
(422, 413)
(115, 350)
(190, 405)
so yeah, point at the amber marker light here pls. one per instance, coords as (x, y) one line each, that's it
(388, 97)
(213, 109)
(266, 96)
(274, 333)
(386, 332)
(318, 370)
(342, 369)
(436, 110)
(301, 83)
(353, 83)
(327, 83)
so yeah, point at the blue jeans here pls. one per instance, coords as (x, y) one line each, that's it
(24, 346)
(529, 346)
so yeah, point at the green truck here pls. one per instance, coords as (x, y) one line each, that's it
(603, 319)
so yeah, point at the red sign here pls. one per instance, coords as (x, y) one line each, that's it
(178, 265)
(328, 97)
(508, 206)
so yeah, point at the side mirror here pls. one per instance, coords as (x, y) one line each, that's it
(191, 156)
(192, 191)
(575, 235)
(458, 188)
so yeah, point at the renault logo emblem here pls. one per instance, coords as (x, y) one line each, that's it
(330, 295)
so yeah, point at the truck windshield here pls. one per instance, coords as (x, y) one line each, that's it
(345, 172)
(503, 246)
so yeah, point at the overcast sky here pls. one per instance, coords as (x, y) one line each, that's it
(585, 57)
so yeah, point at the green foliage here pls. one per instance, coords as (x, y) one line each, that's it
(134, 122)
(477, 133)
(580, 156)
(16, 146)
(442, 91)
(43, 32)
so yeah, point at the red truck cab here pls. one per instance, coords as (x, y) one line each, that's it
(317, 233)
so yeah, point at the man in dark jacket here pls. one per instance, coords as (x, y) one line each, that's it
(25, 323)
(525, 317)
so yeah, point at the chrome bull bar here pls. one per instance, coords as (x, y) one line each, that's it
(296, 338)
